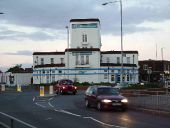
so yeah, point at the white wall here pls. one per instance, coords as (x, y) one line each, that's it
(47, 59)
(93, 35)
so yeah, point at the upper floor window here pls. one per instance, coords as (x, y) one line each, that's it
(84, 37)
(128, 60)
(62, 60)
(82, 60)
(87, 59)
(42, 61)
(145, 67)
(52, 60)
(118, 60)
(108, 60)
(77, 59)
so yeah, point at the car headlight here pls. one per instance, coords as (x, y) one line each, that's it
(106, 101)
(75, 87)
(63, 87)
(124, 100)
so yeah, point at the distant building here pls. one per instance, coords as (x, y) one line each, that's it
(84, 61)
(154, 70)
(21, 77)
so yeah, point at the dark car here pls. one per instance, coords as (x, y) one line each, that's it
(105, 97)
(65, 86)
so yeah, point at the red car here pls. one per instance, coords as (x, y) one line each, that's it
(105, 97)
(65, 86)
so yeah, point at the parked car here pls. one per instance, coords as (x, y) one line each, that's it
(105, 97)
(65, 86)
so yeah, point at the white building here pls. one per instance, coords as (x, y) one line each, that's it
(84, 61)
(16, 78)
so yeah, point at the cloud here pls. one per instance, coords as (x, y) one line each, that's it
(23, 53)
(52, 15)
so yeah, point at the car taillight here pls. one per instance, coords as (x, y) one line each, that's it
(63, 87)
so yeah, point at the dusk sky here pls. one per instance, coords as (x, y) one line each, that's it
(29, 26)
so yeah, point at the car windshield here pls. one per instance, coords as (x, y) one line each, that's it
(107, 91)
(66, 82)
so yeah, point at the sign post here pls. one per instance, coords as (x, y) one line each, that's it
(51, 90)
(18, 88)
(3, 88)
(41, 90)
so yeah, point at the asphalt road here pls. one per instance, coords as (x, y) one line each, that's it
(68, 111)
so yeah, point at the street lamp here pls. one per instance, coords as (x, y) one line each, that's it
(67, 51)
(121, 30)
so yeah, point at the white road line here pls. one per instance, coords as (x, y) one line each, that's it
(29, 125)
(49, 103)
(110, 125)
(67, 112)
(40, 105)
(33, 99)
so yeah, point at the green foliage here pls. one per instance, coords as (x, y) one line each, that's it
(16, 69)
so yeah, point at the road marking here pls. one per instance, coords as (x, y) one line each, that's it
(40, 105)
(67, 112)
(33, 99)
(48, 118)
(49, 103)
(29, 125)
(110, 125)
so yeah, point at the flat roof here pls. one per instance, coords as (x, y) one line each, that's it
(48, 53)
(85, 20)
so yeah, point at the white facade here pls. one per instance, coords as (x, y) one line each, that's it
(13, 79)
(86, 63)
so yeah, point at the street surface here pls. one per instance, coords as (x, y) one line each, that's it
(68, 111)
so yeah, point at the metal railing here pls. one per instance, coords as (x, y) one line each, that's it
(156, 101)
(12, 122)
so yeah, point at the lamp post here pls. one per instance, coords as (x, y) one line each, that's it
(67, 51)
(121, 32)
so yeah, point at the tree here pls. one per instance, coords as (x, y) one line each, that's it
(16, 69)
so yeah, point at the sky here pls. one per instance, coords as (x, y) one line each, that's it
(29, 26)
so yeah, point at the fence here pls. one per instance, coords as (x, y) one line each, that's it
(7, 121)
(156, 101)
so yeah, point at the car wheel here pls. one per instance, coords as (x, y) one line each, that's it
(87, 104)
(124, 109)
(74, 93)
(61, 92)
(99, 106)
(56, 91)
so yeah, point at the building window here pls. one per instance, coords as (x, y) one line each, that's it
(53, 71)
(62, 60)
(145, 67)
(105, 76)
(48, 79)
(112, 77)
(84, 38)
(128, 78)
(53, 78)
(77, 61)
(42, 61)
(108, 60)
(128, 60)
(59, 71)
(52, 60)
(87, 59)
(118, 78)
(118, 60)
(82, 60)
